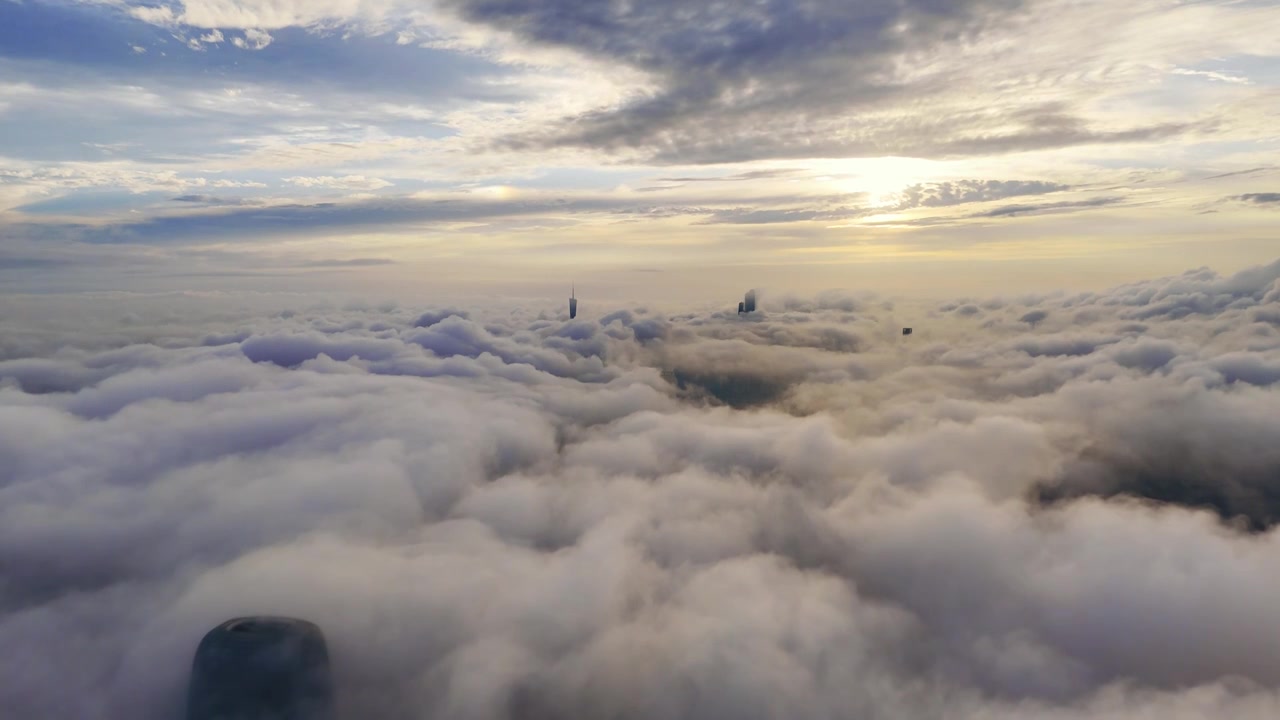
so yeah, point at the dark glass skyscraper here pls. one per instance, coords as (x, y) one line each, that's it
(261, 668)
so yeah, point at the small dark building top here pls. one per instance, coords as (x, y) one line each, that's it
(261, 667)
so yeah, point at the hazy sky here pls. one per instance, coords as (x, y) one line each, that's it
(669, 148)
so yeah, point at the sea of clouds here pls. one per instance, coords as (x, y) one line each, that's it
(1057, 506)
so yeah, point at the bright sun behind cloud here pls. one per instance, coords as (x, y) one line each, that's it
(882, 179)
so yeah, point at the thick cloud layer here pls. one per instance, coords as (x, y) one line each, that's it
(1045, 507)
(731, 82)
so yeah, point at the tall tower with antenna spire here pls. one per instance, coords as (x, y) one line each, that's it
(573, 303)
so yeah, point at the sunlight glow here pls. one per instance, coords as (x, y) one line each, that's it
(882, 179)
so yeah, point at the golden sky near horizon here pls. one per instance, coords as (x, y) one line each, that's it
(670, 149)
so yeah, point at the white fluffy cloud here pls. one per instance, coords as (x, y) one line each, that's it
(498, 512)
(346, 182)
(253, 39)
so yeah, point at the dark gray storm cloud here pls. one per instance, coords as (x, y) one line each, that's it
(498, 512)
(777, 78)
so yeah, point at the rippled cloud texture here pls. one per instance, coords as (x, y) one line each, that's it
(1034, 507)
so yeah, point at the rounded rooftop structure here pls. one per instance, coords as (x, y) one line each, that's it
(261, 668)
